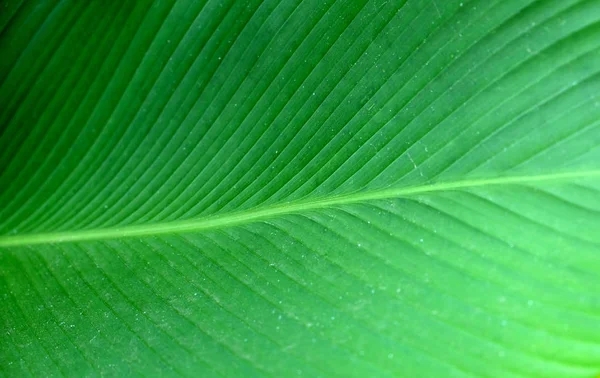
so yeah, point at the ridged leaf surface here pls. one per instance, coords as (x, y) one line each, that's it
(300, 188)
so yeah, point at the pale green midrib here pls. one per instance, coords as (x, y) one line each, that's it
(254, 214)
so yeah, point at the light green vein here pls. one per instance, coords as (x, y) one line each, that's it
(258, 213)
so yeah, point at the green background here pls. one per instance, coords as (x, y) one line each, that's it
(285, 188)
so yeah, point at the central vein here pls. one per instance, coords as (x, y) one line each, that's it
(258, 213)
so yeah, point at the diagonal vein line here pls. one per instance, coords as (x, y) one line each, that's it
(260, 213)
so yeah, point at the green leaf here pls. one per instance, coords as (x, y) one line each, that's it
(284, 188)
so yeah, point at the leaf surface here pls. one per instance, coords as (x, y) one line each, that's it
(316, 188)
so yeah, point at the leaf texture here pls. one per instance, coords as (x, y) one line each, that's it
(300, 188)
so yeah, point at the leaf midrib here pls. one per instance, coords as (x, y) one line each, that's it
(265, 212)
